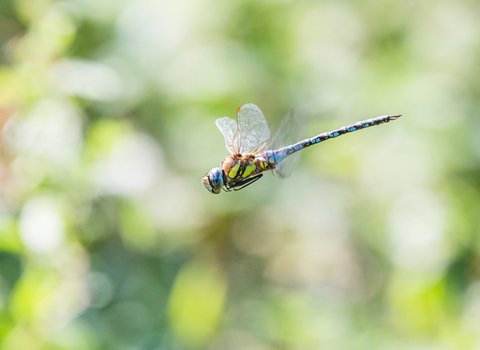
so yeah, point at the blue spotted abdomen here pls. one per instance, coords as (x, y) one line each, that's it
(276, 156)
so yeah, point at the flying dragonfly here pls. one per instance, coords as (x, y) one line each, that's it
(253, 150)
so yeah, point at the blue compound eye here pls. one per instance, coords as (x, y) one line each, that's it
(213, 181)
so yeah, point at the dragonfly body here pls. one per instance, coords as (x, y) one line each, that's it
(247, 143)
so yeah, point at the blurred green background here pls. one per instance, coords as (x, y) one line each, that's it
(108, 239)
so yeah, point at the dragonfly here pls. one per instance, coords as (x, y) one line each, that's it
(254, 150)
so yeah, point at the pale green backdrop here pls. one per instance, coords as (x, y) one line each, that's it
(108, 239)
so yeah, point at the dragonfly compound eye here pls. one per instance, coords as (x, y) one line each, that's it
(213, 181)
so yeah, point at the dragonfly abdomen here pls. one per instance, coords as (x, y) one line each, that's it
(276, 156)
(350, 128)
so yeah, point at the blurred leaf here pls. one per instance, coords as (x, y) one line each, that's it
(32, 294)
(9, 238)
(417, 306)
(196, 303)
(103, 135)
(138, 228)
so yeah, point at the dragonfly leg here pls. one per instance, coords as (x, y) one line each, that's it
(246, 182)
(224, 177)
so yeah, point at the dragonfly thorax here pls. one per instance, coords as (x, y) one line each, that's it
(238, 168)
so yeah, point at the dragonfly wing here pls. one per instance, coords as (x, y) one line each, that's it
(290, 131)
(252, 129)
(228, 127)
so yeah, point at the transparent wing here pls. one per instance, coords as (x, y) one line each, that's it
(252, 129)
(290, 131)
(228, 127)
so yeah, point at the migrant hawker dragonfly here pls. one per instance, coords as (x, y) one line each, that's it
(254, 151)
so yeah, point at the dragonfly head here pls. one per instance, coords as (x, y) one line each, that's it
(213, 181)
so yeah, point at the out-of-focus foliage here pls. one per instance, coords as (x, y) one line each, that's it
(108, 240)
